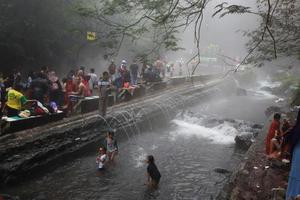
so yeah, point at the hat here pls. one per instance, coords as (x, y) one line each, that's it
(124, 62)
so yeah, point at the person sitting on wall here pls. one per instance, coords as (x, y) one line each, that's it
(15, 101)
(273, 137)
(80, 91)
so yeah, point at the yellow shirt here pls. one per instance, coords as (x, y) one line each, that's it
(15, 99)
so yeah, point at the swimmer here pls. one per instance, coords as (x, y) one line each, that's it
(111, 146)
(102, 158)
(153, 175)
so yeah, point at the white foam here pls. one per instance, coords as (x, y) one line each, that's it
(139, 157)
(221, 134)
(266, 83)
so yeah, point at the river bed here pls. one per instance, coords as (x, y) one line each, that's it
(187, 150)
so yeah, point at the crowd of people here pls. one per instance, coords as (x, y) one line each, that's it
(283, 143)
(42, 91)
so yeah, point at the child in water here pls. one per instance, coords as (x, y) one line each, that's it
(111, 146)
(101, 159)
(153, 175)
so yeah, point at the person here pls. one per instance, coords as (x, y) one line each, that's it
(56, 90)
(134, 72)
(40, 87)
(15, 101)
(84, 80)
(172, 69)
(144, 67)
(285, 132)
(153, 174)
(101, 158)
(93, 79)
(104, 86)
(111, 146)
(124, 73)
(293, 189)
(80, 88)
(112, 70)
(180, 69)
(273, 133)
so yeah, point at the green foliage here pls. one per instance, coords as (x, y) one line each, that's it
(296, 96)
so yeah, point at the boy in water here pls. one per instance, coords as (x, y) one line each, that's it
(153, 175)
(111, 145)
(101, 159)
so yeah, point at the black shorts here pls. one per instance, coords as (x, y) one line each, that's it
(11, 112)
(101, 169)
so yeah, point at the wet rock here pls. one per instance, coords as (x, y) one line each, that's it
(244, 141)
(241, 92)
(40, 197)
(222, 171)
(8, 197)
(268, 89)
(257, 126)
(272, 109)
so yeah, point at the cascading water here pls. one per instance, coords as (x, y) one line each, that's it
(187, 149)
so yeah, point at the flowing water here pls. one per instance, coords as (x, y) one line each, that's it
(187, 150)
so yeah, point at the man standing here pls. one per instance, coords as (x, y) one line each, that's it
(104, 88)
(93, 79)
(112, 70)
(134, 72)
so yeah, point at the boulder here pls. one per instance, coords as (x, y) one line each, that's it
(222, 171)
(268, 89)
(241, 92)
(8, 197)
(244, 141)
(272, 109)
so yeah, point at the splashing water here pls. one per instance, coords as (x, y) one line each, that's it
(220, 134)
(266, 83)
(139, 157)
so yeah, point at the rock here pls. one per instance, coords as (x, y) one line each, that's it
(241, 92)
(245, 172)
(41, 197)
(243, 141)
(257, 126)
(268, 89)
(8, 197)
(222, 171)
(272, 109)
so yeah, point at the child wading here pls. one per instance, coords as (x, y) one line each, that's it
(102, 158)
(111, 146)
(153, 175)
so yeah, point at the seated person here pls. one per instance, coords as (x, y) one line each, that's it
(272, 140)
(15, 101)
(285, 131)
(80, 91)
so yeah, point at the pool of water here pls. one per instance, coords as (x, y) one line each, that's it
(186, 150)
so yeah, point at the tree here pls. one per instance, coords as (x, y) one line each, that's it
(278, 32)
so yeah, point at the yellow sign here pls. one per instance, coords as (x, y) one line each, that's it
(91, 36)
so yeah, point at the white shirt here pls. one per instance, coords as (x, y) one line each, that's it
(101, 161)
(93, 79)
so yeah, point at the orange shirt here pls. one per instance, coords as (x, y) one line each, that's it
(275, 126)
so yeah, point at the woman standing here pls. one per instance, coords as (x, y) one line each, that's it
(293, 189)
